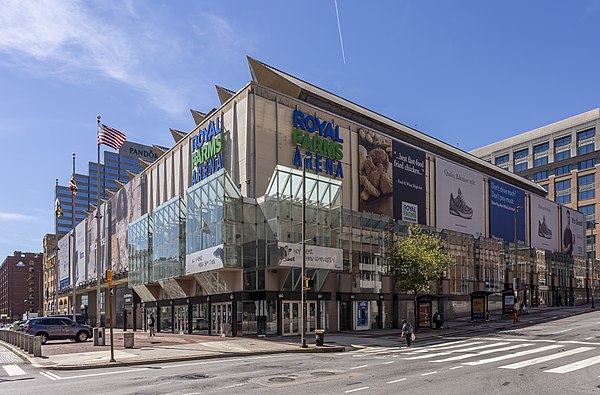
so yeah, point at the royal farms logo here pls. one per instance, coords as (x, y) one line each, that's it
(206, 151)
(321, 142)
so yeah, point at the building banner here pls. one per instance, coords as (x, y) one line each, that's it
(573, 232)
(459, 198)
(392, 177)
(126, 208)
(63, 261)
(91, 242)
(80, 255)
(317, 257)
(544, 224)
(202, 261)
(504, 200)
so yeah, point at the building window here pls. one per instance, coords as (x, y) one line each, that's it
(589, 212)
(545, 186)
(520, 160)
(586, 164)
(562, 192)
(585, 187)
(585, 141)
(540, 154)
(559, 171)
(562, 148)
(540, 175)
(502, 161)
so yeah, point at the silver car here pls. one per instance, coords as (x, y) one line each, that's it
(54, 328)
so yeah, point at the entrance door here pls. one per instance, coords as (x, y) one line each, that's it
(291, 317)
(221, 318)
(181, 319)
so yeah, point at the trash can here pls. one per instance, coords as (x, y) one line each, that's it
(320, 336)
(99, 338)
(128, 340)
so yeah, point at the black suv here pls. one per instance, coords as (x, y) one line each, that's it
(52, 328)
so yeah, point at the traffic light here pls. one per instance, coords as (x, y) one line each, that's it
(308, 283)
(109, 277)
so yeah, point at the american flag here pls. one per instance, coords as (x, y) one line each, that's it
(110, 136)
(73, 186)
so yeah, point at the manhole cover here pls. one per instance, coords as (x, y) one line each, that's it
(281, 379)
(321, 374)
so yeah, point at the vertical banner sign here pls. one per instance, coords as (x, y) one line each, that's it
(63, 261)
(91, 242)
(544, 224)
(504, 200)
(573, 232)
(392, 177)
(80, 244)
(459, 198)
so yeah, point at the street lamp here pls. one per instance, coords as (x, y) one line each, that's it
(592, 262)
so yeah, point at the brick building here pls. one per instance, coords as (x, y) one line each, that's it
(21, 285)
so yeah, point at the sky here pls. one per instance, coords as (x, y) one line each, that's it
(466, 72)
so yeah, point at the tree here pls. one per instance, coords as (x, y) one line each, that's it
(416, 261)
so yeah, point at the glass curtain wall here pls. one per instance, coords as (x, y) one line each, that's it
(168, 241)
(140, 251)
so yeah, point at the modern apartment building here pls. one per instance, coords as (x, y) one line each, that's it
(563, 158)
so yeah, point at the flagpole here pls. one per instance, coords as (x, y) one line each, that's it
(98, 252)
(55, 306)
(73, 262)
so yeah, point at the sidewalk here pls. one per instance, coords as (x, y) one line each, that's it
(167, 347)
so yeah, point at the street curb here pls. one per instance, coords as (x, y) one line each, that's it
(17, 351)
(320, 350)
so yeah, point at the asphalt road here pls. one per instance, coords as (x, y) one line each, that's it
(557, 357)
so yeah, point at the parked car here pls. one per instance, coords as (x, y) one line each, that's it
(53, 328)
(16, 326)
(79, 318)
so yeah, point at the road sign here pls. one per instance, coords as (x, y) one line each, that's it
(111, 291)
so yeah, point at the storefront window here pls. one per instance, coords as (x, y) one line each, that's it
(200, 318)
(166, 321)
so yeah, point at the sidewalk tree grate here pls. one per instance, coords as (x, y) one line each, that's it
(281, 379)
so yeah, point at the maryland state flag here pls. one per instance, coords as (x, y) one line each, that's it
(73, 186)
(58, 208)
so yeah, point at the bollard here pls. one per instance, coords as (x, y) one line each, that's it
(22, 341)
(29, 344)
(37, 346)
(128, 340)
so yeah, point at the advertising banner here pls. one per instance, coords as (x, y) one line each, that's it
(424, 315)
(317, 257)
(573, 232)
(544, 224)
(126, 206)
(504, 200)
(459, 198)
(91, 243)
(202, 261)
(80, 255)
(64, 253)
(392, 177)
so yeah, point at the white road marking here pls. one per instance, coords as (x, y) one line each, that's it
(589, 338)
(396, 381)
(459, 350)
(456, 367)
(53, 375)
(356, 389)
(46, 375)
(427, 374)
(546, 358)
(13, 370)
(101, 374)
(465, 356)
(454, 345)
(221, 361)
(359, 367)
(385, 363)
(517, 354)
(236, 385)
(563, 331)
(575, 366)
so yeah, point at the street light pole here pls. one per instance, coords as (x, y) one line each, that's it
(303, 278)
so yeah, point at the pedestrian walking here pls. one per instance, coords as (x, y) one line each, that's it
(407, 332)
(151, 322)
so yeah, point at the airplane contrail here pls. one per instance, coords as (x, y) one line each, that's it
(340, 30)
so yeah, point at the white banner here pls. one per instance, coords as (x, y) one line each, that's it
(544, 224)
(63, 261)
(205, 260)
(573, 232)
(80, 255)
(459, 198)
(317, 257)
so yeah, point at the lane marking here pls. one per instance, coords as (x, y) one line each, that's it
(575, 366)
(359, 367)
(459, 350)
(101, 374)
(13, 370)
(465, 356)
(236, 385)
(396, 381)
(220, 361)
(356, 389)
(563, 331)
(46, 375)
(442, 348)
(456, 367)
(386, 363)
(427, 374)
(589, 338)
(517, 354)
(546, 358)
(57, 377)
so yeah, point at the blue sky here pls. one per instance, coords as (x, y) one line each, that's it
(466, 72)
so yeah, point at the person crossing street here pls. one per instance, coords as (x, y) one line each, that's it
(407, 332)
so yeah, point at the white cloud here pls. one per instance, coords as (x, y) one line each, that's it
(15, 217)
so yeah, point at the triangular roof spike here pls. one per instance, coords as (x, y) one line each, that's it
(92, 206)
(110, 192)
(159, 150)
(265, 75)
(131, 174)
(224, 93)
(119, 183)
(198, 116)
(144, 163)
(177, 135)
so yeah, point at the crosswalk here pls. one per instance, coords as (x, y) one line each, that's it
(502, 353)
(13, 370)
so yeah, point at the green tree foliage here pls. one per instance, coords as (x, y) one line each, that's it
(416, 261)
